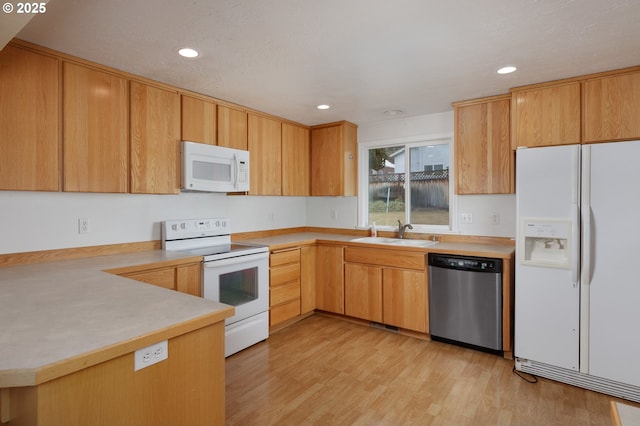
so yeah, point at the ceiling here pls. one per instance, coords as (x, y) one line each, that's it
(362, 57)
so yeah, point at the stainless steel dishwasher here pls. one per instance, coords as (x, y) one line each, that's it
(465, 301)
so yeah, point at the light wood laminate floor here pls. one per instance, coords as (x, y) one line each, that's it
(327, 371)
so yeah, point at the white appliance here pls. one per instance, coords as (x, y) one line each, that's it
(213, 168)
(577, 292)
(236, 274)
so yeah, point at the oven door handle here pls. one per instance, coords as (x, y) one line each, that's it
(236, 260)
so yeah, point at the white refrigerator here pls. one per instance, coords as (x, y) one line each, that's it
(577, 282)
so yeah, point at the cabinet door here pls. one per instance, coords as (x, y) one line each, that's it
(164, 277)
(265, 146)
(155, 140)
(295, 160)
(484, 158)
(29, 121)
(326, 161)
(307, 279)
(612, 108)
(198, 120)
(329, 279)
(405, 299)
(189, 279)
(546, 116)
(333, 160)
(232, 127)
(363, 291)
(96, 137)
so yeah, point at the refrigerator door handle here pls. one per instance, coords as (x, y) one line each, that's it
(575, 218)
(587, 231)
(575, 246)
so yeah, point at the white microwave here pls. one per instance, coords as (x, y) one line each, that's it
(212, 168)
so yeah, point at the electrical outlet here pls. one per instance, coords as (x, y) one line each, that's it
(83, 226)
(466, 218)
(495, 218)
(150, 355)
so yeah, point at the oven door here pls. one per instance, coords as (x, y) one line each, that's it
(242, 282)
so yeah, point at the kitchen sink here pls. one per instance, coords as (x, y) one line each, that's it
(395, 241)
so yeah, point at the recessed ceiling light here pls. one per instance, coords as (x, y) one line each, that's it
(323, 106)
(187, 52)
(507, 70)
(393, 112)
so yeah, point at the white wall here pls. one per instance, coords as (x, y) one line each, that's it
(483, 209)
(332, 212)
(252, 213)
(31, 221)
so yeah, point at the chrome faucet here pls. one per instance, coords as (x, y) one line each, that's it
(402, 228)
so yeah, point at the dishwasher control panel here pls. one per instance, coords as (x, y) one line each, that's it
(465, 263)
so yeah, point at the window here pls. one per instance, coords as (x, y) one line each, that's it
(410, 182)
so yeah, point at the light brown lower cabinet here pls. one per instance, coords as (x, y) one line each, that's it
(307, 279)
(284, 285)
(387, 286)
(329, 278)
(292, 279)
(185, 389)
(363, 291)
(185, 278)
(405, 299)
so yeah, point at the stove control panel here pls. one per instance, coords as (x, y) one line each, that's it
(193, 228)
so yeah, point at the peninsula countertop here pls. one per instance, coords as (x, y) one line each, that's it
(60, 317)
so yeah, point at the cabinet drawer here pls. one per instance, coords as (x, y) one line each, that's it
(382, 257)
(284, 293)
(284, 274)
(284, 312)
(160, 277)
(284, 257)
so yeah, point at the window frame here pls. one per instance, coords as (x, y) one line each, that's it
(408, 143)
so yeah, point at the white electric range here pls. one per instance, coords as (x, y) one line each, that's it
(236, 274)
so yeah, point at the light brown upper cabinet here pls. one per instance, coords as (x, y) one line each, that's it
(96, 124)
(232, 127)
(155, 140)
(611, 108)
(547, 114)
(334, 165)
(295, 160)
(29, 121)
(198, 120)
(484, 160)
(265, 147)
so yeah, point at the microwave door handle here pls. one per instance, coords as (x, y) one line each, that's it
(237, 170)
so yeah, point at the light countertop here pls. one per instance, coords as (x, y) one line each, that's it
(278, 242)
(59, 317)
(72, 312)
